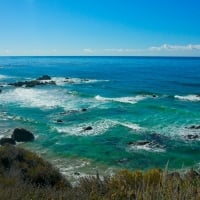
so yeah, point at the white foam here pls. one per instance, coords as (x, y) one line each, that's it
(129, 125)
(131, 100)
(33, 98)
(98, 128)
(188, 97)
(3, 77)
(146, 147)
(63, 81)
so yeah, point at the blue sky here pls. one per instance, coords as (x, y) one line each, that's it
(100, 27)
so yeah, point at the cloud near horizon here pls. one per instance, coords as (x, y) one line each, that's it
(168, 47)
(163, 48)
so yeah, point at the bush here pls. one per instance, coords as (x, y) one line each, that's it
(24, 175)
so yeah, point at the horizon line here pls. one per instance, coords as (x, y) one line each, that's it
(161, 56)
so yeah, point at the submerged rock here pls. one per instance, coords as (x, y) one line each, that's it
(139, 143)
(22, 135)
(59, 121)
(4, 141)
(88, 128)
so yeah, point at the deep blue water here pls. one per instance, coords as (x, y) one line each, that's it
(128, 99)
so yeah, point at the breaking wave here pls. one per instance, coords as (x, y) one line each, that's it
(188, 97)
(131, 100)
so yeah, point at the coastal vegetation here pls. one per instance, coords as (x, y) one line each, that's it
(24, 175)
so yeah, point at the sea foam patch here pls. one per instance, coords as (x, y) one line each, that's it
(151, 147)
(96, 128)
(131, 100)
(43, 99)
(129, 125)
(188, 97)
(2, 77)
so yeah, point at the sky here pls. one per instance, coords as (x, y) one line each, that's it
(100, 27)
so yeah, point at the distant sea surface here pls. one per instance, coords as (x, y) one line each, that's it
(124, 100)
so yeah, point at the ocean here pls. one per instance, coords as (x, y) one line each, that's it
(105, 113)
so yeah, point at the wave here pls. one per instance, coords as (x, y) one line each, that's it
(2, 77)
(131, 100)
(43, 99)
(132, 126)
(191, 97)
(98, 128)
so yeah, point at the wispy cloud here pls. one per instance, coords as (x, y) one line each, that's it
(88, 50)
(169, 47)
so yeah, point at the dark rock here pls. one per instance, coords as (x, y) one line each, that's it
(31, 83)
(88, 128)
(83, 109)
(22, 135)
(194, 127)
(72, 111)
(77, 173)
(4, 141)
(139, 143)
(44, 77)
(130, 143)
(192, 137)
(59, 120)
(63, 113)
(124, 160)
(69, 81)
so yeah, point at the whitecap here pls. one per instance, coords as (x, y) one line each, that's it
(3, 77)
(129, 125)
(131, 100)
(188, 97)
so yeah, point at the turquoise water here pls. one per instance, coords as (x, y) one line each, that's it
(128, 99)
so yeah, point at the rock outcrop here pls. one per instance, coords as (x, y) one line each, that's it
(22, 135)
